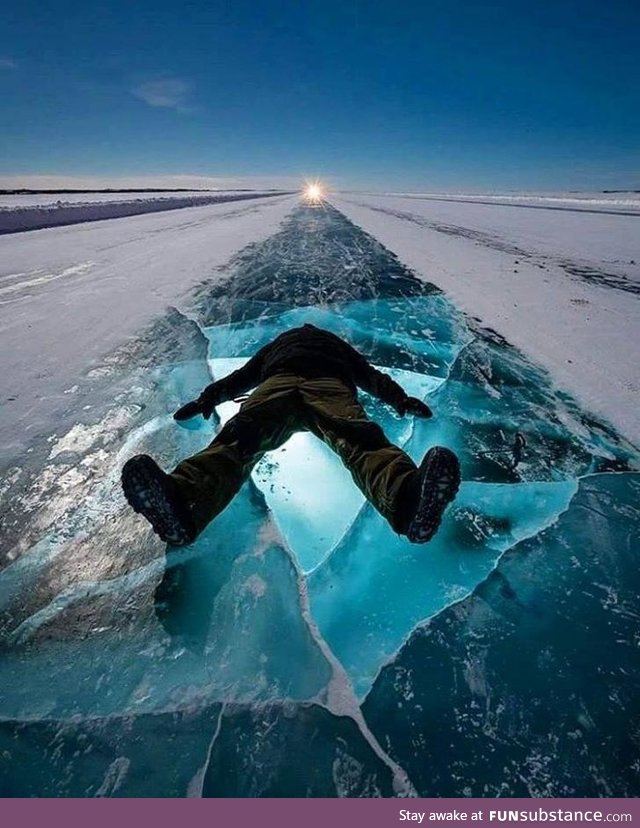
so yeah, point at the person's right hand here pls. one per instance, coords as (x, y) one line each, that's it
(203, 405)
(412, 405)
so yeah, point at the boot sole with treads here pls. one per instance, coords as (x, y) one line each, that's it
(152, 493)
(437, 485)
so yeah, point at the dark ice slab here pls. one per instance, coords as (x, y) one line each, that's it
(293, 750)
(124, 756)
(531, 686)
(280, 749)
(318, 258)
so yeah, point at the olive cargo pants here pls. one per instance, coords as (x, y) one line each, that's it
(279, 407)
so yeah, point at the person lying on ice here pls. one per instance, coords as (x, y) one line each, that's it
(305, 380)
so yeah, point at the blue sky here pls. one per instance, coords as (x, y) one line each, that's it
(455, 95)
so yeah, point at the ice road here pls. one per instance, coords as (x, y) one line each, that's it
(300, 648)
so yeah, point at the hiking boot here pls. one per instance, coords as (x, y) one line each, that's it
(155, 496)
(436, 486)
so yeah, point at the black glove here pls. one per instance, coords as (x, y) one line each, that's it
(412, 405)
(204, 405)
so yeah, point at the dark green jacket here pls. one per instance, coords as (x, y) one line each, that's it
(308, 352)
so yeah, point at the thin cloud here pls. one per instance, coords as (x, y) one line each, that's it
(170, 93)
(8, 63)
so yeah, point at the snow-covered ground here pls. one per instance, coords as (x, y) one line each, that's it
(68, 295)
(562, 285)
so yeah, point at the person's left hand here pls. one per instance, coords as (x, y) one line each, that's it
(412, 405)
(191, 409)
(203, 405)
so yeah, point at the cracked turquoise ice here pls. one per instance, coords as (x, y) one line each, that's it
(363, 577)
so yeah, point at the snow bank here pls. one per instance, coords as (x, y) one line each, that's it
(36, 211)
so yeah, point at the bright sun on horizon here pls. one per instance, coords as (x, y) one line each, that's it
(313, 192)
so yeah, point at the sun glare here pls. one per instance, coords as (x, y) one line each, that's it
(313, 193)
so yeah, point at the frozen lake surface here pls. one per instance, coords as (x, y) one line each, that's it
(299, 647)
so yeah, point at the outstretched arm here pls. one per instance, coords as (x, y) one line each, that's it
(224, 389)
(237, 382)
(386, 389)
